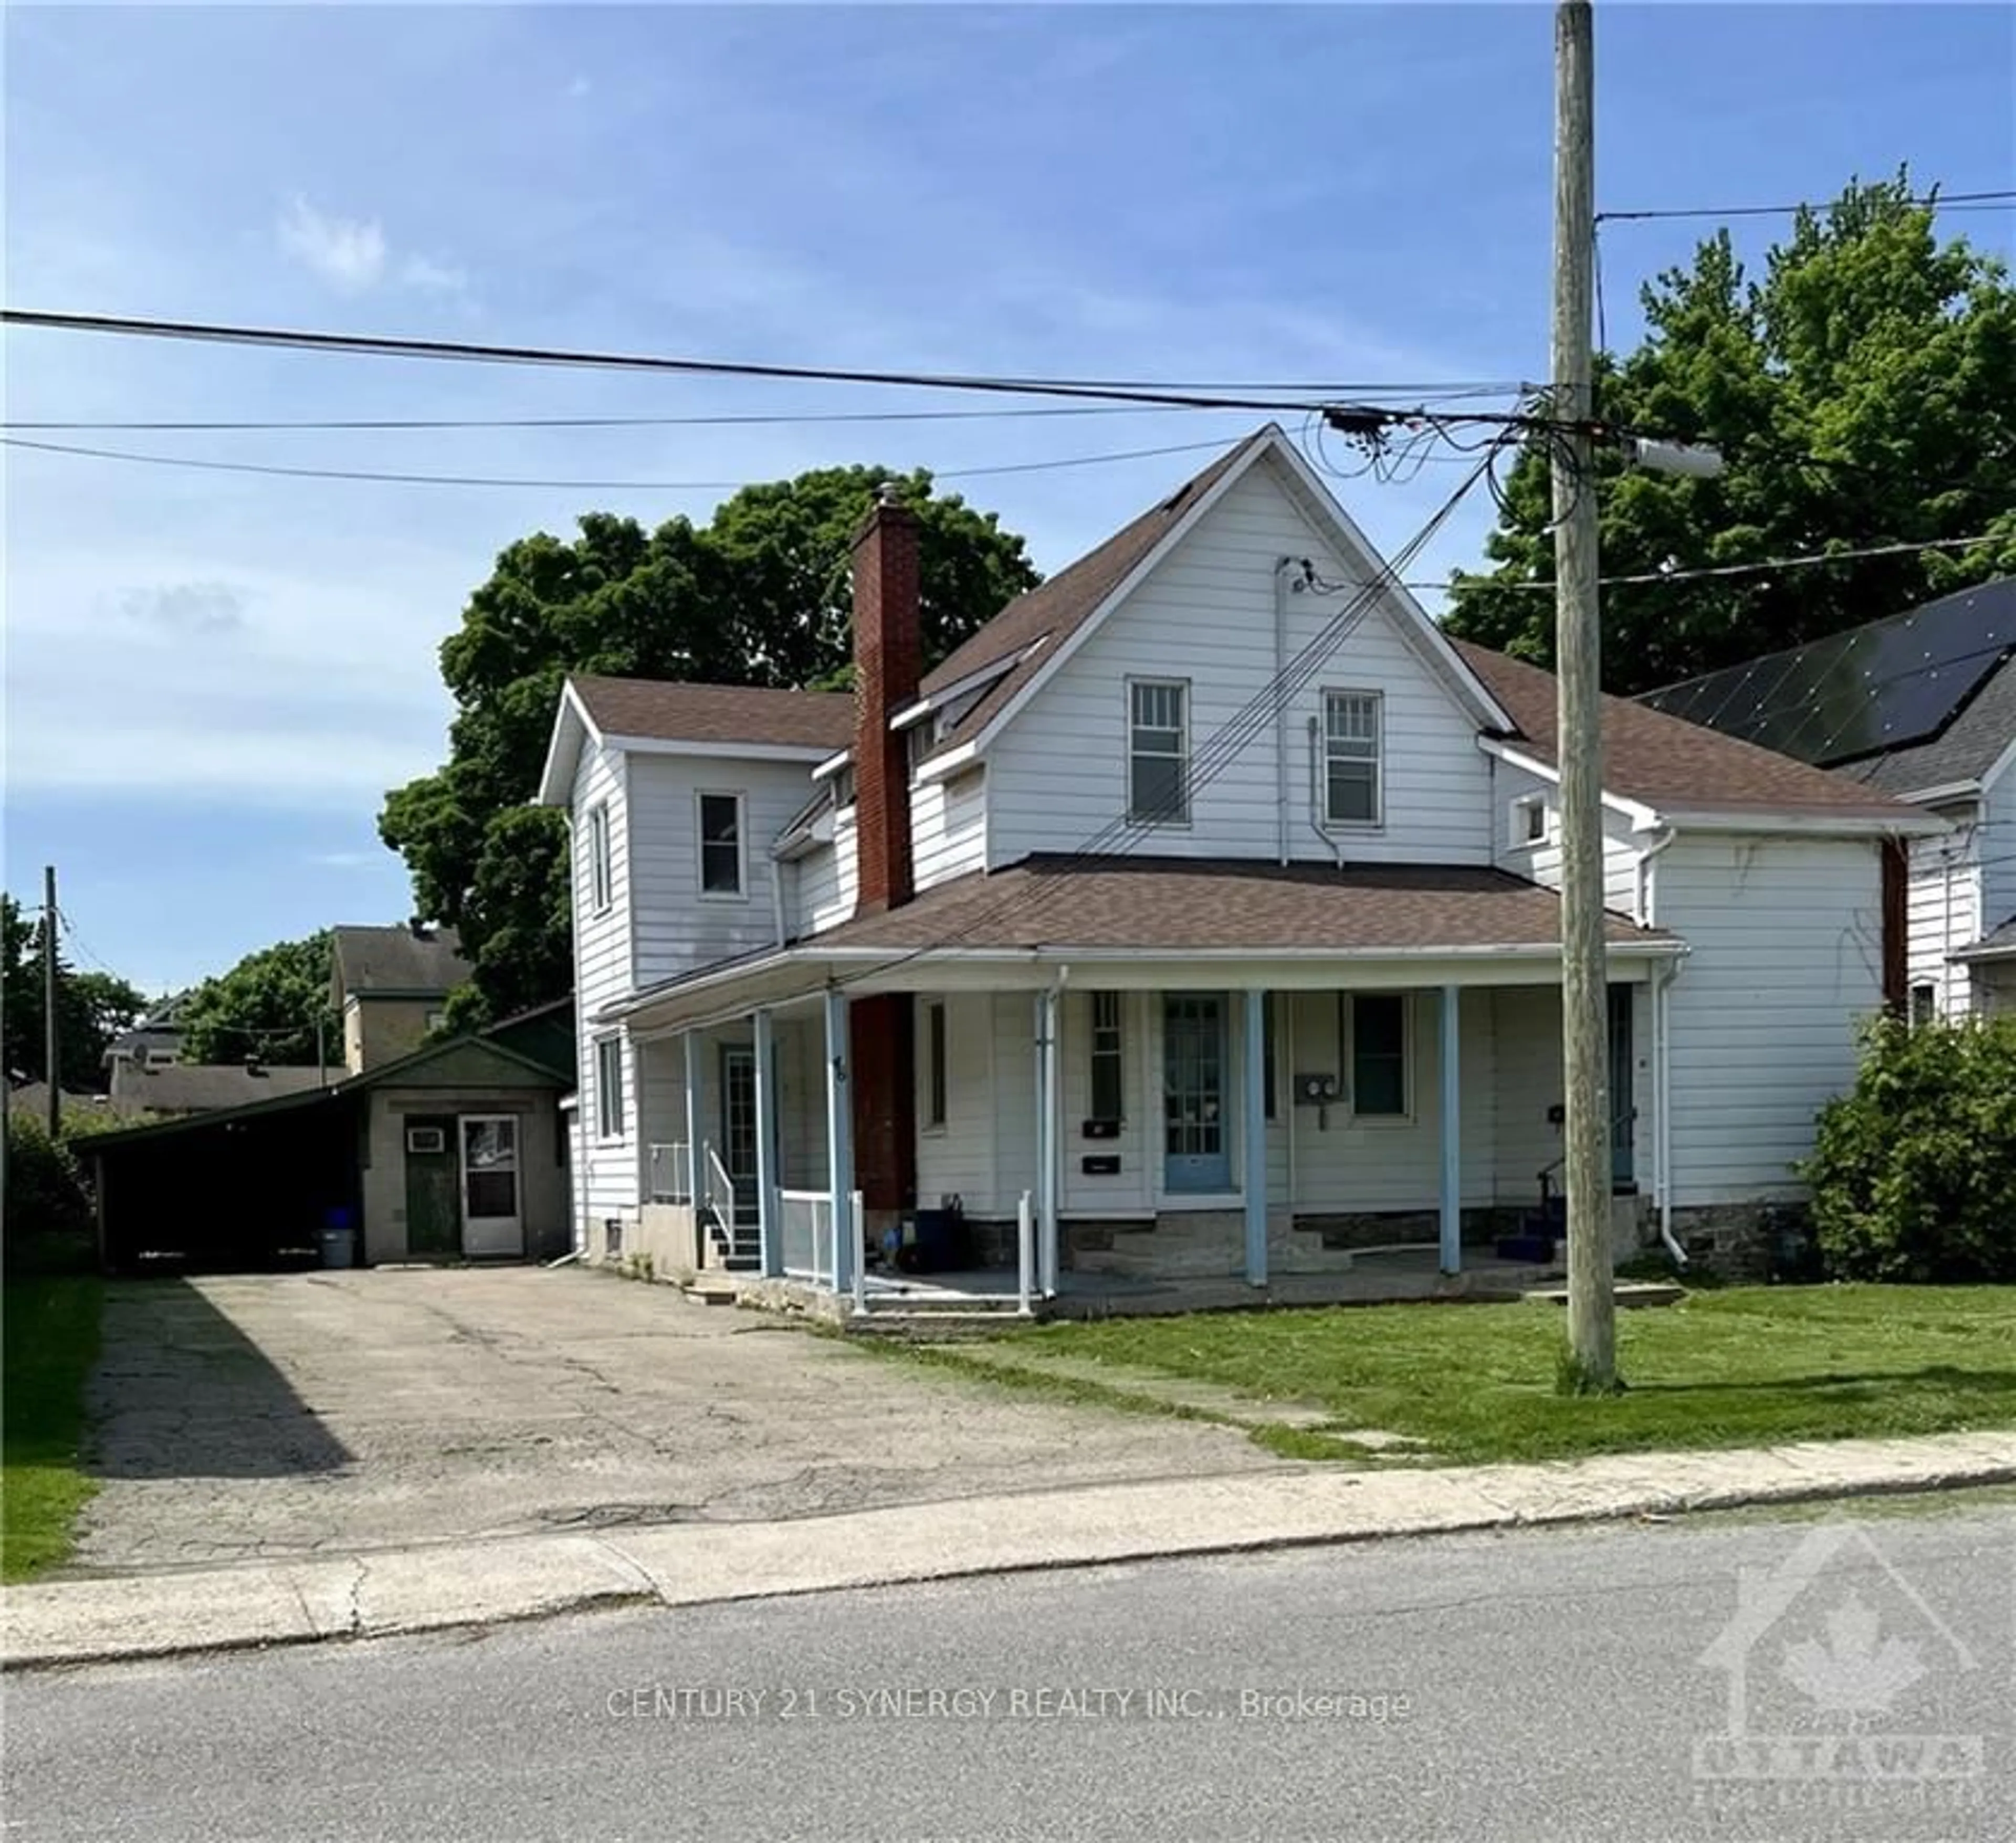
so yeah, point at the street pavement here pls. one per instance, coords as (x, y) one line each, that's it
(1622, 1682)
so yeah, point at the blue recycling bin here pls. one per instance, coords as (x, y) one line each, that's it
(338, 1238)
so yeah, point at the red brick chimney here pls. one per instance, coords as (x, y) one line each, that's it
(888, 662)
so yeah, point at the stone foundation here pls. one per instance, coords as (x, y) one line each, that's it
(1742, 1241)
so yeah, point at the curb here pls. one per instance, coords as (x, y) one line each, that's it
(404, 1592)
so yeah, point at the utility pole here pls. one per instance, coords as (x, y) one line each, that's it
(50, 1070)
(1578, 647)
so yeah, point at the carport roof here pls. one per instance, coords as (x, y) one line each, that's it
(386, 1074)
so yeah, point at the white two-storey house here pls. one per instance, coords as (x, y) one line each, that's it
(1197, 915)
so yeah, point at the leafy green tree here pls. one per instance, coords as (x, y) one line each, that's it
(759, 596)
(92, 1009)
(1863, 392)
(267, 1007)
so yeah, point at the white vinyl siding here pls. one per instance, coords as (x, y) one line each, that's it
(1059, 773)
(1519, 793)
(1158, 752)
(1786, 959)
(827, 879)
(1353, 739)
(605, 1183)
(1944, 909)
(959, 1160)
(676, 930)
(949, 828)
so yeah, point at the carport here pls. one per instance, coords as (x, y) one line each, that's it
(249, 1187)
(454, 1152)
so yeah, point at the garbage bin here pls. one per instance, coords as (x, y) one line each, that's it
(338, 1239)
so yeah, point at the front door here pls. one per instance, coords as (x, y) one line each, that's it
(1623, 1107)
(738, 1123)
(434, 1210)
(1194, 1154)
(492, 1222)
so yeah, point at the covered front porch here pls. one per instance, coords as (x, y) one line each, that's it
(1093, 1129)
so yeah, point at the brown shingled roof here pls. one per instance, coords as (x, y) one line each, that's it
(717, 712)
(1055, 608)
(1179, 903)
(1666, 761)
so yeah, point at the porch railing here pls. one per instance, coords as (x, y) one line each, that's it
(670, 1182)
(806, 1235)
(720, 1189)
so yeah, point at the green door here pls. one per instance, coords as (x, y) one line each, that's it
(433, 1205)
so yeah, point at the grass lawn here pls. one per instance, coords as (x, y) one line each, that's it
(1744, 1366)
(51, 1337)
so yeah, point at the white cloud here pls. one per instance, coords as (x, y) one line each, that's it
(344, 860)
(579, 88)
(352, 254)
(431, 277)
(347, 252)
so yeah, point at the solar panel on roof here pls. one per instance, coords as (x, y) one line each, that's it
(1872, 689)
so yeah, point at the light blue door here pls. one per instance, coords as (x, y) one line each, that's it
(1194, 1156)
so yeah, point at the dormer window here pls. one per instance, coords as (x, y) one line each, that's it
(843, 788)
(1530, 819)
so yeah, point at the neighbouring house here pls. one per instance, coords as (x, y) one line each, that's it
(31, 1099)
(204, 1088)
(1196, 916)
(1921, 706)
(153, 1041)
(454, 1151)
(390, 986)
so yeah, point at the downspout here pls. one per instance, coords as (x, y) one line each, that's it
(1334, 846)
(1662, 1123)
(1281, 706)
(1646, 890)
(777, 897)
(1662, 1035)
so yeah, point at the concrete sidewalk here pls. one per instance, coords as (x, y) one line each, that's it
(422, 1590)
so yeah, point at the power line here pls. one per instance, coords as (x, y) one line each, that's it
(1999, 200)
(1809, 559)
(402, 424)
(1250, 397)
(511, 481)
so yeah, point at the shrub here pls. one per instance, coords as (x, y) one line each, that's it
(49, 1226)
(1913, 1172)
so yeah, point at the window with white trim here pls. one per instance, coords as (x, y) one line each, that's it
(609, 1088)
(935, 1063)
(1925, 1005)
(1351, 742)
(720, 845)
(1379, 1046)
(1531, 820)
(1158, 745)
(1108, 1060)
(601, 878)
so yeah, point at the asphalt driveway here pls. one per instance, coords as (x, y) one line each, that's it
(285, 1415)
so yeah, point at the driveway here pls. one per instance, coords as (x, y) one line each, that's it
(284, 1415)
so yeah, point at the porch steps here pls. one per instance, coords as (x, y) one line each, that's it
(736, 1248)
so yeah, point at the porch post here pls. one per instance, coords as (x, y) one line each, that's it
(1255, 1138)
(840, 1141)
(767, 1213)
(689, 1052)
(1046, 1140)
(1451, 1212)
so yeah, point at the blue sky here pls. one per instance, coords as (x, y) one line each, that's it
(211, 680)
